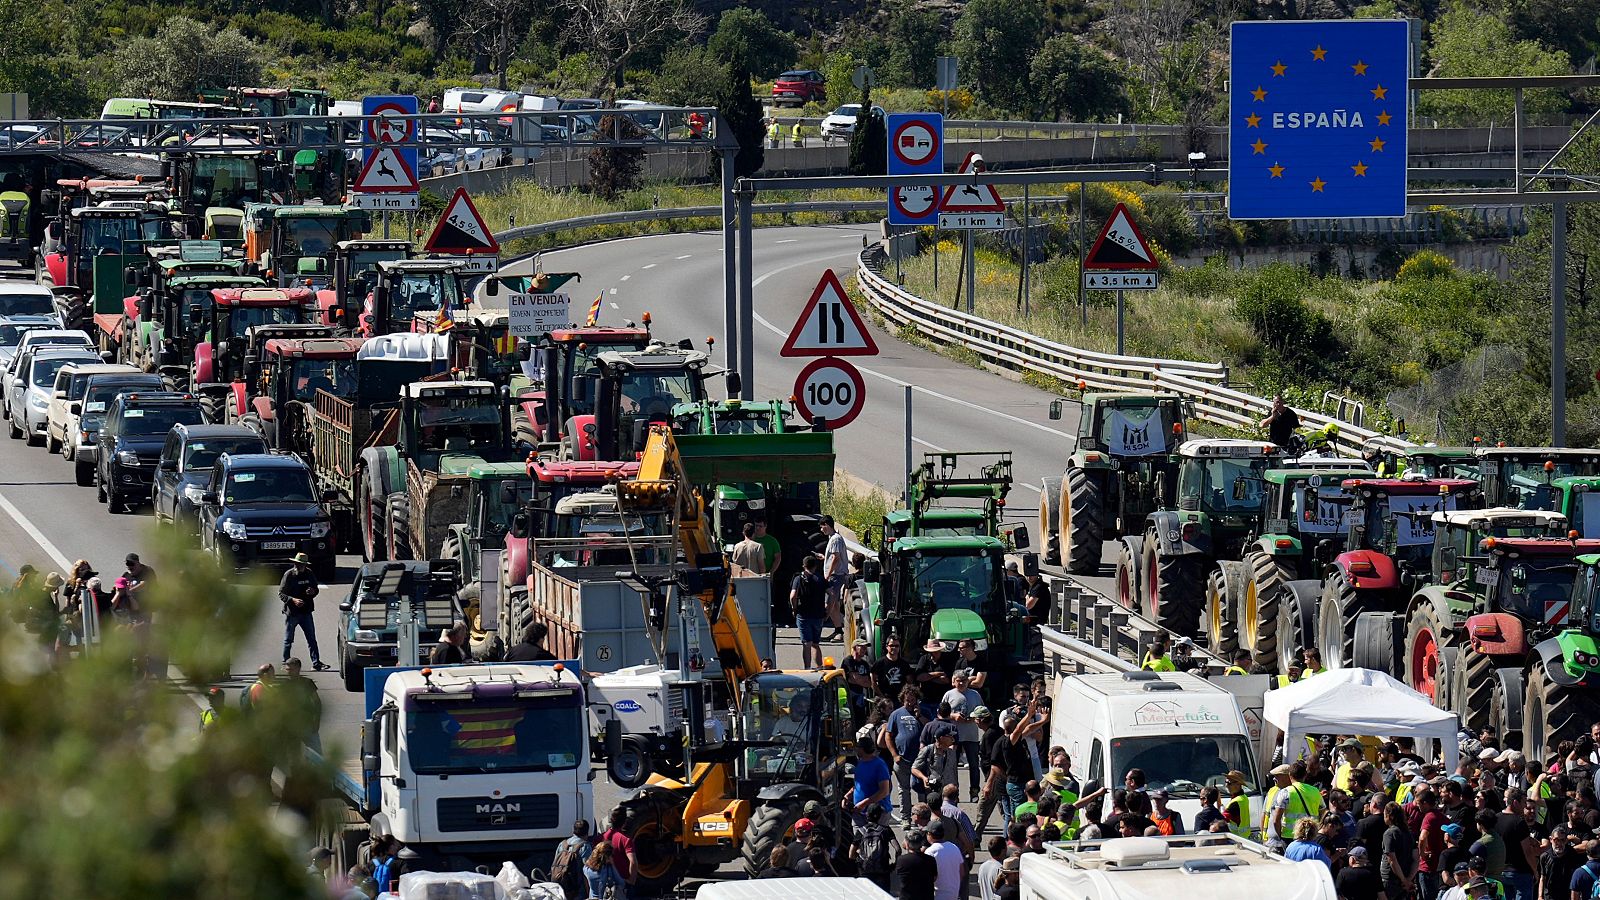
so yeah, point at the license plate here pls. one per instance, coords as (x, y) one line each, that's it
(277, 545)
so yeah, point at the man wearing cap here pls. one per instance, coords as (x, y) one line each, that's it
(216, 702)
(1350, 753)
(1010, 887)
(1168, 821)
(947, 859)
(873, 781)
(935, 766)
(858, 679)
(933, 676)
(1156, 658)
(1015, 585)
(1514, 773)
(1237, 808)
(963, 700)
(298, 592)
(1358, 881)
(1556, 866)
(1289, 801)
(1484, 888)
(1183, 655)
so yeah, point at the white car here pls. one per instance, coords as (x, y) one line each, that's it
(12, 328)
(841, 123)
(66, 401)
(474, 158)
(25, 299)
(33, 398)
(32, 339)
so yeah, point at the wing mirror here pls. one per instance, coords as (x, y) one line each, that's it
(209, 498)
(168, 465)
(1055, 410)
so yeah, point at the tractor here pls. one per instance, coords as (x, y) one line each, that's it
(354, 275)
(565, 360)
(283, 381)
(156, 318)
(1426, 461)
(1163, 573)
(1561, 695)
(221, 340)
(1568, 495)
(406, 288)
(629, 391)
(1123, 468)
(88, 252)
(295, 244)
(1509, 472)
(1302, 531)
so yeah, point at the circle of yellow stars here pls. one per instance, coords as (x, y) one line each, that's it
(1279, 70)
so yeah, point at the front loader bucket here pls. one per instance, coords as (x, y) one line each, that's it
(794, 458)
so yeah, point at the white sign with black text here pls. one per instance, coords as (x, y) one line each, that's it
(536, 314)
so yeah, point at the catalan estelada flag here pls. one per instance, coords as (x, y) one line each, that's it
(485, 730)
(445, 320)
(594, 312)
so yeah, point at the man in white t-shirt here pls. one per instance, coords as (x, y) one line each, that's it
(946, 855)
(836, 571)
(963, 701)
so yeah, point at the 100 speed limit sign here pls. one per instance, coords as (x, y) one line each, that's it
(832, 389)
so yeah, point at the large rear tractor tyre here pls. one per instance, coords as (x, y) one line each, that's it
(1297, 620)
(1176, 588)
(1083, 523)
(1341, 605)
(1505, 704)
(654, 823)
(215, 408)
(1424, 639)
(1376, 644)
(372, 512)
(1050, 522)
(1552, 713)
(1478, 680)
(1223, 587)
(1256, 617)
(1129, 590)
(399, 518)
(770, 826)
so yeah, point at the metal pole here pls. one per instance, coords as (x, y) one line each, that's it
(1027, 247)
(730, 270)
(1558, 325)
(972, 268)
(1119, 321)
(1516, 141)
(747, 306)
(1083, 300)
(936, 261)
(906, 496)
(386, 232)
(894, 245)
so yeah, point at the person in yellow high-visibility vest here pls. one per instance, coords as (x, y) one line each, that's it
(1286, 680)
(796, 136)
(1289, 801)
(1313, 663)
(1241, 664)
(1237, 810)
(1345, 772)
(772, 134)
(1156, 659)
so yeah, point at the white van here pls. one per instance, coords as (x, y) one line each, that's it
(1195, 867)
(793, 889)
(1182, 731)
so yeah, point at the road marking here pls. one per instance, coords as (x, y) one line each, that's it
(686, 256)
(890, 378)
(934, 447)
(613, 292)
(651, 266)
(787, 241)
(614, 304)
(625, 278)
(37, 535)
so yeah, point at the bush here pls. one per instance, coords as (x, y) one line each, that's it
(1297, 335)
(1425, 264)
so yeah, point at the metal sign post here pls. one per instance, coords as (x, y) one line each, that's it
(1558, 324)
(1119, 323)
(905, 495)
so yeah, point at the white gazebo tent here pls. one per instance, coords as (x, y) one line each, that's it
(1358, 701)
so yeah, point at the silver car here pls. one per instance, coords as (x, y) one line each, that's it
(32, 404)
(60, 338)
(12, 328)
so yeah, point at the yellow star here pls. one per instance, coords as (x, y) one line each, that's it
(1360, 67)
(1383, 118)
(1259, 93)
(1359, 168)
(1278, 68)
(1376, 144)
(1276, 170)
(1252, 120)
(1379, 92)
(1318, 53)
(1316, 185)
(1259, 146)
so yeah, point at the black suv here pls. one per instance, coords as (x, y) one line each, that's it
(184, 471)
(262, 507)
(130, 443)
(97, 397)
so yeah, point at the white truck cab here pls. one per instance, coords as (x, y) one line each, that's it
(1182, 731)
(1195, 867)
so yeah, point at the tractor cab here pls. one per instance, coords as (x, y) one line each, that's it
(1394, 519)
(949, 588)
(736, 504)
(1474, 548)
(1575, 496)
(1439, 462)
(287, 377)
(1509, 473)
(566, 360)
(795, 730)
(630, 391)
(293, 244)
(496, 492)
(453, 417)
(1220, 492)
(221, 339)
(1128, 424)
(1305, 512)
(407, 288)
(98, 243)
(219, 173)
(589, 529)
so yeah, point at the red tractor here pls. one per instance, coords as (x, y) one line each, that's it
(282, 387)
(566, 358)
(221, 340)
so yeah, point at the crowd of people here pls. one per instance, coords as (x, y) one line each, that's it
(68, 611)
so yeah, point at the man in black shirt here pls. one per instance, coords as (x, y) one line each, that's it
(1456, 851)
(915, 870)
(1369, 830)
(889, 674)
(1556, 866)
(993, 747)
(298, 591)
(1358, 881)
(1010, 880)
(532, 647)
(933, 676)
(1522, 851)
(1281, 422)
(858, 680)
(808, 597)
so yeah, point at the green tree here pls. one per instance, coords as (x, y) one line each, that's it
(615, 170)
(745, 39)
(683, 79)
(37, 58)
(1468, 41)
(914, 38)
(185, 57)
(995, 39)
(838, 70)
(741, 113)
(1571, 26)
(1076, 83)
(869, 142)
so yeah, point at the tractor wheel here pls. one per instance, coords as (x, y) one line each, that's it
(1050, 522)
(1129, 551)
(1225, 583)
(1296, 620)
(1505, 704)
(399, 518)
(1175, 588)
(215, 408)
(1552, 713)
(1256, 618)
(770, 826)
(371, 509)
(522, 430)
(1341, 605)
(1376, 644)
(1424, 639)
(1478, 680)
(654, 823)
(1082, 523)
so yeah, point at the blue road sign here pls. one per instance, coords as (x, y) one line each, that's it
(1317, 119)
(916, 147)
(381, 133)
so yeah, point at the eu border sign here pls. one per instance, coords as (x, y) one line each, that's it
(1317, 119)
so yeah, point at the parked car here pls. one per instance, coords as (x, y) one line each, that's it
(184, 470)
(30, 398)
(476, 159)
(841, 123)
(368, 634)
(31, 300)
(263, 508)
(438, 154)
(30, 340)
(12, 328)
(799, 87)
(66, 399)
(130, 443)
(84, 426)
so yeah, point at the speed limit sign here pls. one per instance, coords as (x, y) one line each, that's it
(832, 389)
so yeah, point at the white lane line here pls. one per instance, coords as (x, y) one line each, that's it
(625, 278)
(787, 241)
(934, 447)
(651, 266)
(614, 305)
(36, 534)
(890, 378)
(686, 256)
(1032, 487)
(613, 292)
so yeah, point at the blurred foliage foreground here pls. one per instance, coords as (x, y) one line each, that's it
(108, 787)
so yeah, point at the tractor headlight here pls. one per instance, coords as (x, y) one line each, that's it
(727, 505)
(756, 504)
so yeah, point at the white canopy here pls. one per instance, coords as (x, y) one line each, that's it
(1359, 701)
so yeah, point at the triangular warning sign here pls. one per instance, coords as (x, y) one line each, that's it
(385, 172)
(461, 229)
(1120, 246)
(829, 325)
(971, 198)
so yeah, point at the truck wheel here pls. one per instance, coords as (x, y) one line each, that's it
(1473, 704)
(1049, 523)
(654, 823)
(1552, 713)
(354, 675)
(631, 766)
(1376, 642)
(1129, 551)
(1082, 525)
(1424, 640)
(1174, 588)
(769, 826)
(1341, 606)
(1505, 704)
(1257, 613)
(1222, 586)
(399, 518)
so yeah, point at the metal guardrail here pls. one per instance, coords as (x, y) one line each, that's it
(685, 212)
(1203, 383)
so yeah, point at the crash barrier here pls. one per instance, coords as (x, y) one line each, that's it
(1205, 384)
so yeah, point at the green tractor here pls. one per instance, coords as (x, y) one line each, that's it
(1569, 496)
(1428, 461)
(1163, 573)
(496, 493)
(1509, 472)
(1302, 531)
(1560, 697)
(1123, 468)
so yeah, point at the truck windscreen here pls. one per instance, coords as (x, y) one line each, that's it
(520, 735)
(1183, 764)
